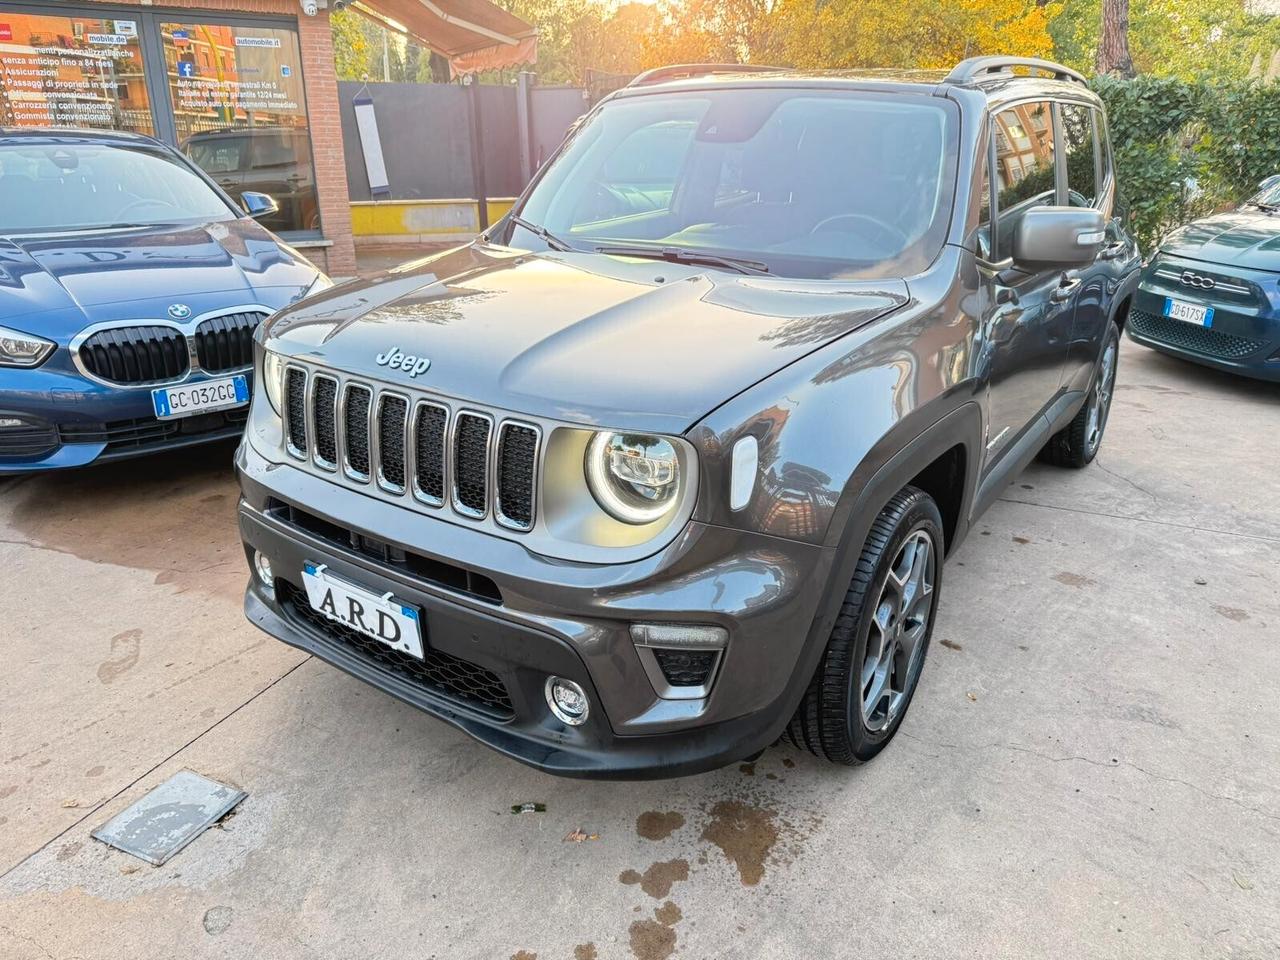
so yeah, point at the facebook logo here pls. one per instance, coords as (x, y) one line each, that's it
(286, 70)
(186, 68)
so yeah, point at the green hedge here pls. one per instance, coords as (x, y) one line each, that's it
(1165, 132)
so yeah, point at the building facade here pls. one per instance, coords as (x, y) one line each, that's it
(245, 88)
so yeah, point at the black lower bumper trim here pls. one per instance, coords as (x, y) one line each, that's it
(438, 671)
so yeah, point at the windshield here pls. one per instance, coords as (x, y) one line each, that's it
(807, 183)
(63, 187)
(1269, 197)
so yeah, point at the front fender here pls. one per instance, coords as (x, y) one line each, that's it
(827, 425)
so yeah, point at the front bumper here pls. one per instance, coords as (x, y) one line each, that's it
(533, 618)
(70, 421)
(1244, 337)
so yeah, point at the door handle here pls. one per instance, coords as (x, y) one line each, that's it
(1065, 290)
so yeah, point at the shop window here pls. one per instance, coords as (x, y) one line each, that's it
(72, 71)
(241, 112)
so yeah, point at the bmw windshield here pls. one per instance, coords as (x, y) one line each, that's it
(48, 187)
(800, 182)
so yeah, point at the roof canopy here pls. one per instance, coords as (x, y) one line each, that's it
(474, 35)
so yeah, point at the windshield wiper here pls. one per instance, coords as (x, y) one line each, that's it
(542, 233)
(1264, 207)
(684, 255)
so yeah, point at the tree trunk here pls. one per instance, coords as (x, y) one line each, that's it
(1113, 49)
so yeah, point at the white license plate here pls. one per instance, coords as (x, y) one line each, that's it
(1188, 312)
(203, 397)
(380, 616)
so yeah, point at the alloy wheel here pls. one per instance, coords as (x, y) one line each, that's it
(1100, 399)
(895, 643)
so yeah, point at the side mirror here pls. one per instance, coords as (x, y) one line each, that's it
(1270, 182)
(258, 205)
(1050, 237)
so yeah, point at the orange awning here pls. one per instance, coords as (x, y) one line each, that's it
(474, 35)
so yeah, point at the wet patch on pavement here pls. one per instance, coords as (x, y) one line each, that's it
(655, 825)
(172, 513)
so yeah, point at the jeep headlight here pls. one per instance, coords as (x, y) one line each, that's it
(634, 477)
(19, 349)
(273, 379)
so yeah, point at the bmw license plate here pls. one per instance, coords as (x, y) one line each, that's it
(380, 616)
(203, 397)
(1188, 312)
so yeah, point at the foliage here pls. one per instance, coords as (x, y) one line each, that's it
(351, 45)
(906, 33)
(1190, 39)
(1183, 149)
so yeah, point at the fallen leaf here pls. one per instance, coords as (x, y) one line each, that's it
(577, 835)
(1241, 882)
(972, 696)
(70, 803)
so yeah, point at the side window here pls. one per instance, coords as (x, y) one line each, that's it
(1025, 176)
(984, 211)
(1078, 148)
(1104, 149)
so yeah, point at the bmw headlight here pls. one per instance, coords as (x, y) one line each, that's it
(19, 349)
(273, 379)
(634, 477)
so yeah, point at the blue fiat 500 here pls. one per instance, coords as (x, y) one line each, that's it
(130, 290)
(1211, 293)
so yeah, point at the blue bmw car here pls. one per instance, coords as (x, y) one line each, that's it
(1211, 294)
(130, 290)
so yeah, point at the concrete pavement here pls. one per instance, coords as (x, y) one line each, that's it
(1091, 767)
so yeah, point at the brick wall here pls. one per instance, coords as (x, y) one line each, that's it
(321, 84)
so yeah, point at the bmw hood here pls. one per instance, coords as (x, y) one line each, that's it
(50, 283)
(584, 338)
(1245, 238)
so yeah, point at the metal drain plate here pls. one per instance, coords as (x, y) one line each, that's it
(169, 817)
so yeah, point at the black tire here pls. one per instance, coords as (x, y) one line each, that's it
(1076, 444)
(830, 721)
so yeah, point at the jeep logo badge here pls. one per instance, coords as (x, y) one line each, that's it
(397, 359)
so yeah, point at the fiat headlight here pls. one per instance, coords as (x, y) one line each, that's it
(273, 379)
(634, 477)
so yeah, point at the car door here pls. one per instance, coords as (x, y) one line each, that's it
(1093, 283)
(1027, 327)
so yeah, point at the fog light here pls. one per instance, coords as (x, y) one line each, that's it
(262, 567)
(567, 701)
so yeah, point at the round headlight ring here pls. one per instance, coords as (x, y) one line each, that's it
(634, 477)
(273, 380)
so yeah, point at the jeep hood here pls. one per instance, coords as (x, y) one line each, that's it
(1245, 238)
(584, 338)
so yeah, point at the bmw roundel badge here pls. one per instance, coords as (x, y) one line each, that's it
(179, 311)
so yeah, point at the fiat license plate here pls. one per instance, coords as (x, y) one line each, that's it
(1188, 312)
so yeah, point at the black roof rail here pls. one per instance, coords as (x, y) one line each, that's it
(979, 68)
(682, 71)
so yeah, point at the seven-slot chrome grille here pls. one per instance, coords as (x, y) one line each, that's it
(419, 448)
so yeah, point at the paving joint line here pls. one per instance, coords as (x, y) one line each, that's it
(1162, 523)
(150, 770)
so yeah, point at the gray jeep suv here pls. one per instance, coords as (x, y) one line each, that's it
(664, 466)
